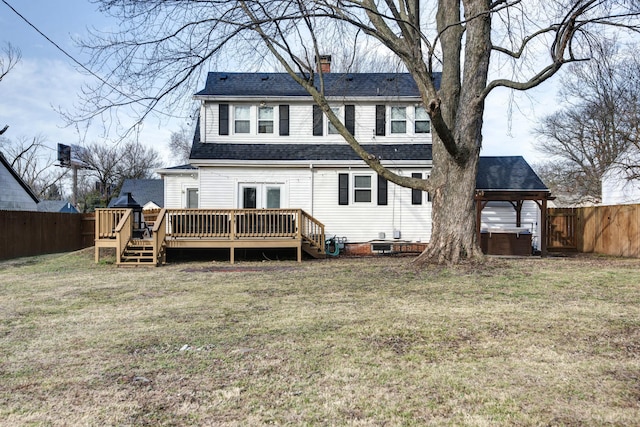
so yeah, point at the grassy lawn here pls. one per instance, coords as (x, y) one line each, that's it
(360, 342)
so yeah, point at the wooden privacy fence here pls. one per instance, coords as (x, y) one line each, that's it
(609, 230)
(26, 233)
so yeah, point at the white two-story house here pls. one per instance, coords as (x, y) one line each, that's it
(261, 142)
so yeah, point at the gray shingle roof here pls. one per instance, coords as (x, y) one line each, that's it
(18, 179)
(494, 173)
(507, 173)
(336, 84)
(303, 152)
(143, 191)
(56, 206)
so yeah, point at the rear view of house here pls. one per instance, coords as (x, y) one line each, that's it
(261, 142)
(268, 170)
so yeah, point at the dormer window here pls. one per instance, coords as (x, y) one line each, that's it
(422, 123)
(265, 120)
(398, 119)
(242, 117)
(331, 128)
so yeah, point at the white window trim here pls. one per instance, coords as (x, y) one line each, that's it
(261, 193)
(340, 114)
(250, 119)
(392, 120)
(373, 195)
(273, 121)
(185, 198)
(415, 119)
(254, 120)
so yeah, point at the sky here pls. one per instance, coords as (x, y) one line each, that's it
(46, 80)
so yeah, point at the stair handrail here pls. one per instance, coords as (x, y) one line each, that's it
(312, 231)
(158, 234)
(123, 232)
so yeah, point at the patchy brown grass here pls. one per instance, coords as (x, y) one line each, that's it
(338, 342)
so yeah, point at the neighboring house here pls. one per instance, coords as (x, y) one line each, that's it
(149, 193)
(261, 142)
(617, 187)
(15, 195)
(56, 206)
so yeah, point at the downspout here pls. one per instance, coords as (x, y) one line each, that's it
(203, 115)
(311, 192)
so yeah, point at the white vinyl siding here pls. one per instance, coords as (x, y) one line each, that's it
(363, 222)
(175, 189)
(221, 186)
(301, 126)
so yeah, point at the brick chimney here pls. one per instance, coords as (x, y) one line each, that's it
(324, 64)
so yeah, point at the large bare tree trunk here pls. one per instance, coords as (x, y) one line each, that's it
(457, 142)
(453, 236)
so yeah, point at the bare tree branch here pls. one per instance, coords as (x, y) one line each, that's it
(9, 58)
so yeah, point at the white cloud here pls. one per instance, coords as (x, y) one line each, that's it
(509, 124)
(32, 92)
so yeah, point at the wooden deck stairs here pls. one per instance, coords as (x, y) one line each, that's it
(313, 249)
(137, 252)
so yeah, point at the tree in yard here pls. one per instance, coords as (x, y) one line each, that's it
(165, 46)
(180, 144)
(34, 161)
(599, 121)
(9, 57)
(109, 166)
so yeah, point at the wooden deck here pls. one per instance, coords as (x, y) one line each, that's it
(206, 228)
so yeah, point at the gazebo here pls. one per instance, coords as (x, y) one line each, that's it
(510, 179)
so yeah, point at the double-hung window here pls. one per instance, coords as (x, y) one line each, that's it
(398, 119)
(242, 118)
(422, 123)
(362, 188)
(265, 120)
(331, 128)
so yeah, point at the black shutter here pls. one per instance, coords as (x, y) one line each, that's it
(317, 121)
(382, 190)
(223, 110)
(350, 118)
(343, 188)
(381, 119)
(416, 195)
(284, 120)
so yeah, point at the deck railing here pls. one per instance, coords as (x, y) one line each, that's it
(242, 223)
(312, 231)
(107, 221)
(123, 231)
(116, 226)
(158, 235)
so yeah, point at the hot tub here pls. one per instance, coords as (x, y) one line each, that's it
(506, 241)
